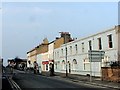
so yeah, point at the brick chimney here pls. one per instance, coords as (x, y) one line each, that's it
(66, 35)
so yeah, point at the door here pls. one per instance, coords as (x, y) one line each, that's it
(69, 67)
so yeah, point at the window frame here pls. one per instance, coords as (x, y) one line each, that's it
(110, 41)
(99, 43)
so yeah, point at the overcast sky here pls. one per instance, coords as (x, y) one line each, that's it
(25, 24)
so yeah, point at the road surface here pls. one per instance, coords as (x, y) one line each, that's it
(32, 81)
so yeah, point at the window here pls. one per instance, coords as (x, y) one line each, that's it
(62, 51)
(56, 65)
(55, 54)
(76, 49)
(43, 67)
(46, 66)
(99, 44)
(66, 51)
(82, 47)
(58, 54)
(110, 41)
(74, 61)
(63, 64)
(71, 50)
(74, 64)
(90, 45)
(84, 63)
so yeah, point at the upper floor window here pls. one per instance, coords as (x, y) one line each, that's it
(90, 45)
(66, 50)
(55, 54)
(99, 44)
(70, 49)
(58, 54)
(76, 48)
(62, 51)
(110, 43)
(82, 47)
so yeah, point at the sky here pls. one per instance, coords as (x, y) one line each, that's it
(26, 24)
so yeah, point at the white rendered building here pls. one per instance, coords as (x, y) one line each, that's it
(77, 53)
(43, 61)
(50, 52)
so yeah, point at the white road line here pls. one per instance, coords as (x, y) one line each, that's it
(13, 84)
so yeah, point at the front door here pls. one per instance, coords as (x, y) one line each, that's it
(69, 68)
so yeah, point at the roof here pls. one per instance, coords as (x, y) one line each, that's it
(110, 29)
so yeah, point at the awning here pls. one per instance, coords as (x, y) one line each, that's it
(45, 62)
(51, 60)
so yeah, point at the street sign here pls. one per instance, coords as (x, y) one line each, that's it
(95, 55)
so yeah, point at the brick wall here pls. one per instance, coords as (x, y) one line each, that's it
(111, 74)
(58, 42)
(42, 48)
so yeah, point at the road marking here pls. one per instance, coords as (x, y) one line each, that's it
(13, 84)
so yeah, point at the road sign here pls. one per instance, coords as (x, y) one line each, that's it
(95, 55)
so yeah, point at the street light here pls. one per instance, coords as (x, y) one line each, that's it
(65, 33)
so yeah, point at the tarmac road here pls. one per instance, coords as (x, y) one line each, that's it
(32, 81)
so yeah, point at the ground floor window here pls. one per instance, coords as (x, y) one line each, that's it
(69, 67)
(56, 65)
(74, 64)
(43, 67)
(63, 64)
(86, 64)
(46, 67)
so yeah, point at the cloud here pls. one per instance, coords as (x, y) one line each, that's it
(26, 10)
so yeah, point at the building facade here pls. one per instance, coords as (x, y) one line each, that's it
(50, 52)
(77, 53)
(42, 55)
(31, 57)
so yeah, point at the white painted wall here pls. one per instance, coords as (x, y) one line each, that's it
(39, 61)
(50, 51)
(28, 54)
(40, 58)
(83, 65)
(44, 58)
(29, 59)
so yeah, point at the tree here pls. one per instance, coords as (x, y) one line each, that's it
(17, 60)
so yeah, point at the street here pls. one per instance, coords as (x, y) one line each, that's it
(37, 81)
(26, 80)
(32, 81)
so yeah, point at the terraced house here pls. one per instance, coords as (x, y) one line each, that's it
(43, 54)
(77, 53)
(31, 57)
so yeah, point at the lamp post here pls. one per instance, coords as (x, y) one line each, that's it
(65, 51)
(66, 61)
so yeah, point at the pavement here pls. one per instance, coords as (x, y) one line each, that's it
(96, 81)
(28, 80)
